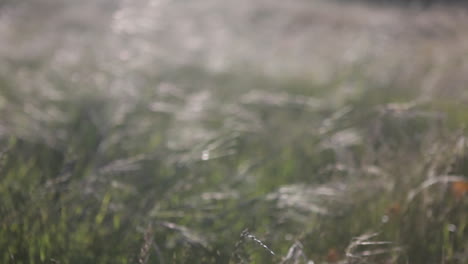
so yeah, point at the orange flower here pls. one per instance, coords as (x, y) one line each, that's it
(333, 255)
(394, 210)
(459, 188)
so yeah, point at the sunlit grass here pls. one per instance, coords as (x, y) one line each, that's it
(290, 167)
(104, 160)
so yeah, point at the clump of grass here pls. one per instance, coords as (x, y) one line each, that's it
(291, 167)
(170, 163)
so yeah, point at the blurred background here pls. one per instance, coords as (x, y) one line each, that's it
(181, 131)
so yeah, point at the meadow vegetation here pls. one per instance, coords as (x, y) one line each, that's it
(117, 160)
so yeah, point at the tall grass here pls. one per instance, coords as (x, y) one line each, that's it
(149, 162)
(358, 180)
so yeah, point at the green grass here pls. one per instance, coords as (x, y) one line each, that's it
(92, 178)
(145, 160)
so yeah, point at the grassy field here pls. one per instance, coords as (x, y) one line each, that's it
(248, 132)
